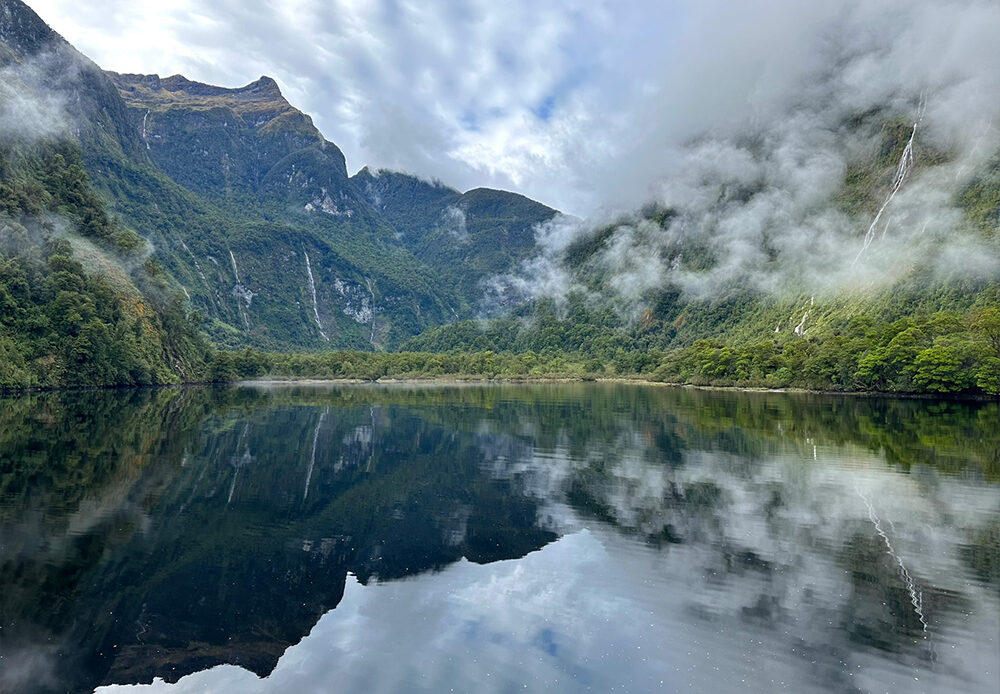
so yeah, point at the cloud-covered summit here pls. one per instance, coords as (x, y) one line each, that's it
(810, 149)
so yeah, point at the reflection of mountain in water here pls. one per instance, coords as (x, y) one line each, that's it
(155, 533)
(204, 548)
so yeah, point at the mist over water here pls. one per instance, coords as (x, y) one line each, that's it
(551, 538)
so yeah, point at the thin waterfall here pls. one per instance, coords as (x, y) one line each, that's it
(144, 138)
(903, 169)
(371, 338)
(241, 293)
(236, 270)
(312, 289)
(800, 329)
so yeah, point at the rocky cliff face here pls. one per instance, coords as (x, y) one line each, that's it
(251, 212)
(467, 237)
(214, 140)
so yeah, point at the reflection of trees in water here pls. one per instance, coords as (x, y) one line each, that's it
(134, 523)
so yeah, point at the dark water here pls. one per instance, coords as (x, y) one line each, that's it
(497, 539)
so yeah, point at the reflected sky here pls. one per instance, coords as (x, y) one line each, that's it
(500, 539)
(593, 612)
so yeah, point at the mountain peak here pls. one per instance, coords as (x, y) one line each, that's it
(259, 102)
(264, 85)
(22, 31)
(178, 88)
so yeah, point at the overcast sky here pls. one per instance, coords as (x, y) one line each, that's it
(576, 103)
(533, 97)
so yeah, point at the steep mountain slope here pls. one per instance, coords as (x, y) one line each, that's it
(322, 264)
(467, 238)
(271, 258)
(217, 141)
(79, 303)
(250, 211)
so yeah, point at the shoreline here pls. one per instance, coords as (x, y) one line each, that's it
(468, 381)
(452, 381)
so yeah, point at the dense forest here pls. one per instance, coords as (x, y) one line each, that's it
(80, 302)
(940, 353)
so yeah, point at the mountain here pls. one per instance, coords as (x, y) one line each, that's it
(312, 262)
(871, 262)
(249, 211)
(252, 212)
(467, 237)
(80, 301)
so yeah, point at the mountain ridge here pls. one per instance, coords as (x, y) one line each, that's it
(245, 205)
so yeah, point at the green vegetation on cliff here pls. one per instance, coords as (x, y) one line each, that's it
(79, 304)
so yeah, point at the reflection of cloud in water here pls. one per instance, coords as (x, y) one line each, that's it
(552, 608)
(757, 592)
(788, 542)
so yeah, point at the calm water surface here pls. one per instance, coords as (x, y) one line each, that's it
(496, 539)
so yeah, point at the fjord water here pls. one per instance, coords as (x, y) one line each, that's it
(558, 538)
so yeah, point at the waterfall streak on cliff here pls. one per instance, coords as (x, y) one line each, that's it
(371, 338)
(800, 329)
(236, 270)
(144, 139)
(312, 289)
(903, 169)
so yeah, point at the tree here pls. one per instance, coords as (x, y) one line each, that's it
(986, 324)
(988, 376)
(939, 369)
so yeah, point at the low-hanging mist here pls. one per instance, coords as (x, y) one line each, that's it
(795, 150)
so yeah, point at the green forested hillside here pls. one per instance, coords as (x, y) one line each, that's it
(80, 304)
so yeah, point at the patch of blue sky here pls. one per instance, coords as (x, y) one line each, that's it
(573, 79)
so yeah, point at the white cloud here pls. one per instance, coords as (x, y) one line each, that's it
(583, 104)
(514, 95)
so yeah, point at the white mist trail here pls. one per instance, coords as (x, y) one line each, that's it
(975, 151)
